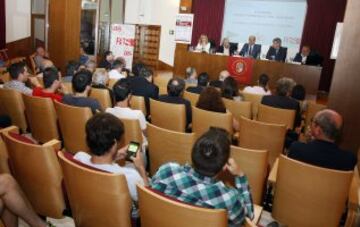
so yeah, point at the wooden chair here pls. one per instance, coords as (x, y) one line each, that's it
(4, 154)
(37, 170)
(41, 115)
(254, 163)
(255, 100)
(161, 81)
(167, 115)
(133, 131)
(96, 198)
(203, 120)
(16, 60)
(72, 121)
(12, 105)
(34, 68)
(312, 109)
(353, 216)
(238, 109)
(138, 103)
(307, 195)
(192, 97)
(166, 146)
(259, 135)
(111, 83)
(68, 87)
(158, 210)
(273, 115)
(102, 96)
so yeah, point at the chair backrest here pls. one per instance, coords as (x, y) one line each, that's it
(259, 135)
(166, 145)
(273, 115)
(34, 68)
(255, 100)
(254, 163)
(102, 96)
(37, 170)
(312, 109)
(158, 210)
(111, 83)
(168, 115)
(238, 109)
(4, 154)
(72, 121)
(203, 120)
(138, 103)
(12, 105)
(68, 87)
(162, 81)
(96, 198)
(41, 115)
(133, 131)
(192, 97)
(307, 195)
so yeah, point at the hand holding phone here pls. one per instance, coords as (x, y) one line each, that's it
(132, 150)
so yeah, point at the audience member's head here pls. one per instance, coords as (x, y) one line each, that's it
(223, 75)
(104, 132)
(229, 88)
(122, 60)
(81, 81)
(117, 65)
(100, 77)
(327, 125)
(146, 73)
(210, 100)
(46, 63)
(90, 65)
(211, 152)
(125, 72)
(263, 81)
(284, 86)
(40, 51)
(136, 68)
(276, 43)
(252, 40)
(121, 92)
(108, 56)
(203, 79)
(51, 78)
(175, 87)
(298, 92)
(190, 73)
(19, 71)
(72, 67)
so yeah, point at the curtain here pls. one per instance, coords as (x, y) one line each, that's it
(208, 19)
(319, 29)
(2, 24)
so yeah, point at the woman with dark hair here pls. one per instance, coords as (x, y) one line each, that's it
(298, 92)
(107, 60)
(230, 90)
(210, 100)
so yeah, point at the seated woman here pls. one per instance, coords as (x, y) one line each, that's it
(203, 44)
(104, 133)
(226, 48)
(230, 89)
(210, 100)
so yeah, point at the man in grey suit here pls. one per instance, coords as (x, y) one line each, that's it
(251, 49)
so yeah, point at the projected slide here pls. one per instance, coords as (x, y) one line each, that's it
(266, 19)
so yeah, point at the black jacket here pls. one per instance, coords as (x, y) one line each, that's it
(279, 56)
(139, 86)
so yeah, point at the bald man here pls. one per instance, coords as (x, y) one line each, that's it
(322, 150)
(222, 76)
(251, 49)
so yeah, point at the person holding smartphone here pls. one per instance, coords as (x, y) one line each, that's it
(104, 132)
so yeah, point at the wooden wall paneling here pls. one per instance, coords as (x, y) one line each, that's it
(20, 48)
(345, 93)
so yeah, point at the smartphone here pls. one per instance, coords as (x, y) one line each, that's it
(132, 150)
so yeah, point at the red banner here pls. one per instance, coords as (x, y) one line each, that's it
(241, 69)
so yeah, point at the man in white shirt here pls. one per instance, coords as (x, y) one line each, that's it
(302, 57)
(262, 88)
(103, 136)
(116, 70)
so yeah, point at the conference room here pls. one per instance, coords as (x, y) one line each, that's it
(184, 113)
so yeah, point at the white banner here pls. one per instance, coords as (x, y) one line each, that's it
(184, 27)
(123, 42)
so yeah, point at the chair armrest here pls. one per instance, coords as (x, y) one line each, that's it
(257, 214)
(56, 144)
(12, 128)
(248, 223)
(273, 172)
(354, 193)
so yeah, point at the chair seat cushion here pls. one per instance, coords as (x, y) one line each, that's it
(21, 138)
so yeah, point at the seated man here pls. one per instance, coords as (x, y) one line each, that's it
(219, 83)
(13, 204)
(322, 149)
(116, 70)
(276, 52)
(142, 85)
(197, 184)
(52, 85)
(262, 88)
(81, 84)
(203, 80)
(175, 89)
(282, 98)
(251, 49)
(19, 76)
(104, 133)
(41, 55)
